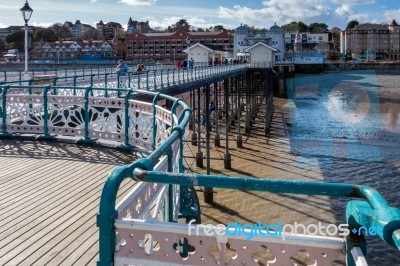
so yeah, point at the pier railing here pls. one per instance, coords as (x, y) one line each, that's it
(153, 79)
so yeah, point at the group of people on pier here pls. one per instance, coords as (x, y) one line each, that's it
(185, 63)
(123, 68)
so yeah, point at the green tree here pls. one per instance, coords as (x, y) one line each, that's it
(47, 35)
(182, 25)
(63, 33)
(318, 27)
(2, 45)
(352, 24)
(219, 28)
(92, 34)
(302, 27)
(16, 40)
(295, 26)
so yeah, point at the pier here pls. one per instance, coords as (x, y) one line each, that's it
(148, 117)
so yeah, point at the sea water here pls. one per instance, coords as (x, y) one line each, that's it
(350, 123)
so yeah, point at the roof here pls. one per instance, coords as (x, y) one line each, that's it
(258, 44)
(210, 48)
(275, 29)
(394, 23)
(370, 26)
(241, 30)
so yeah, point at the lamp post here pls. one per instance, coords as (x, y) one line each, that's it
(26, 11)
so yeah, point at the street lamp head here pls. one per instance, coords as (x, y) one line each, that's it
(26, 11)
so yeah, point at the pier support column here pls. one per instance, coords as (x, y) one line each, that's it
(191, 120)
(227, 156)
(208, 191)
(199, 153)
(217, 138)
(239, 141)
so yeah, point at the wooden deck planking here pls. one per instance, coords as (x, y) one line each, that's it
(26, 189)
(36, 199)
(40, 224)
(50, 208)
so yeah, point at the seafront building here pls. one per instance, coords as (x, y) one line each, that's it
(371, 42)
(169, 46)
(244, 39)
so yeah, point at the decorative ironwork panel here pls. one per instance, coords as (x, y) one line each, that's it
(172, 243)
(24, 113)
(66, 114)
(163, 121)
(141, 124)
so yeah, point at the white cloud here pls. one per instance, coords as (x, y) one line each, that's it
(138, 2)
(280, 11)
(389, 15)
(93, 1)
(168, 21)
(353, 2)
(344, 10)
(42, 24)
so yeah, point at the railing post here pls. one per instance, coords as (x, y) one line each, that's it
(87, 118)
(4, 111)
(46, 112)
(170, 155)
(161, 76)
(138, 80)
(105, 84)
(147, 79)
(155, 120)
(155, 80)
(91, 80)
(173, 76)
(168, 77)
(126, 127)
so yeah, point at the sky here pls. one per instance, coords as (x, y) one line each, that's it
(204, 13)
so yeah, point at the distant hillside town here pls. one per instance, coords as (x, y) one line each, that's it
(140, 43)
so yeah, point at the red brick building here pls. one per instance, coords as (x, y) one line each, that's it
(169, 46)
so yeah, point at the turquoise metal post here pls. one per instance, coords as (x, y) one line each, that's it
(179, 76)
(118, 81)
(4, 111)
(170, 155)
(181, 133)
(129, 79)
(161, 76)
(155, 80)
(46, 112)
(87, 118)
(173, 76)
(91, 80)
(168, 77)
(147, 79)
(107, 212)
(154, 133)
(105, 84)
(126, 126)
(138, 80)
